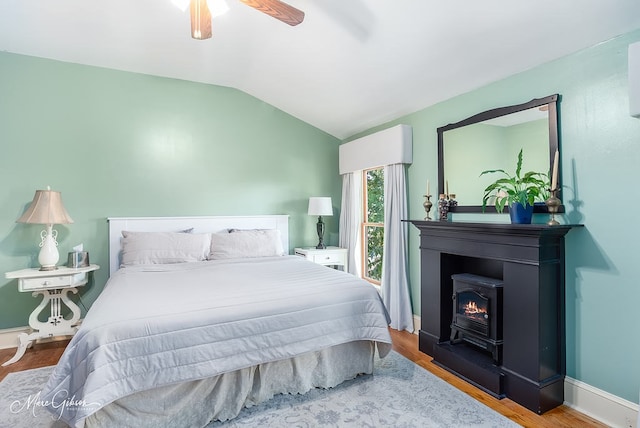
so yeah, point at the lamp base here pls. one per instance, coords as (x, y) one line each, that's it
(48, 256)
(320, 230)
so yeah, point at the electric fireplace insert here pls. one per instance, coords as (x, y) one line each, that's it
(477, 313)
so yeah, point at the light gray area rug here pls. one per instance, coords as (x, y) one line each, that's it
(398, 394)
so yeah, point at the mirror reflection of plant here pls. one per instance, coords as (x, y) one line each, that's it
(520, 188)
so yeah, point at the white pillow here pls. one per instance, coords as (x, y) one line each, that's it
(246, 243)
(163, 247)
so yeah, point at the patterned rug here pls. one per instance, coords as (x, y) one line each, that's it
(398, 394)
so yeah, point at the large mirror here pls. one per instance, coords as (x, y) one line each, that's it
(492, 140)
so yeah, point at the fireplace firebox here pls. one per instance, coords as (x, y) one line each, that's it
(477, 313)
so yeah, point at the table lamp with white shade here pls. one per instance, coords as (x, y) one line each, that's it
(320, 205)
(47, 208)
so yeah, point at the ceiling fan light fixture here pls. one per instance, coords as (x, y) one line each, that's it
(181, 4)
(200, 20)
(201, 12)
(217, 7)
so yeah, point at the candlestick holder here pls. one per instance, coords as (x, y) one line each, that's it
(427, 206)
(553, 204)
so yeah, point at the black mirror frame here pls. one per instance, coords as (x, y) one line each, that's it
(554, 143)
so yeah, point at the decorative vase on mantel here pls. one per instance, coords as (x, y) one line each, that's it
(520, 214)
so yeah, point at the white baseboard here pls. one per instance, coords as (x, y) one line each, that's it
(600, 405)
(9, 336)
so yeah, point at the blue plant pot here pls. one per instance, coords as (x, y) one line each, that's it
(520, 214)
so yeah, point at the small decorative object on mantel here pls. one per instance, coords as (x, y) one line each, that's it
(518, 191)
(427, 206)
(427, 203)
(443, 207)
(553, 202)
(452, 201)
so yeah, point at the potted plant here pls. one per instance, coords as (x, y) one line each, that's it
(518, 191)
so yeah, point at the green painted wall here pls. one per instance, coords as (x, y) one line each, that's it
(125, 144)
(600, 154)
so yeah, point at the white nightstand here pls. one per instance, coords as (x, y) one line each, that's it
(330, 256)
(54, 285)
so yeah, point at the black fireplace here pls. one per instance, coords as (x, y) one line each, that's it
(529, 262)
(477, 313)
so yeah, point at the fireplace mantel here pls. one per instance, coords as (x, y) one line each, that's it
(529, 259)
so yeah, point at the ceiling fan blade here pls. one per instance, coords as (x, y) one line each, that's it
(200, 20)
(277, 9)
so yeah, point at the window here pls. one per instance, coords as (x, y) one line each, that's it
(372, 224)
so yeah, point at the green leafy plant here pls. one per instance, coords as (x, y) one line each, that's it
(375, 214)
(521, 188)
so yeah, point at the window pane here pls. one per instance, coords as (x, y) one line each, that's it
(375, 236)
(375, 196)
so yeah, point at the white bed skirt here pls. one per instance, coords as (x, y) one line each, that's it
(196, 403)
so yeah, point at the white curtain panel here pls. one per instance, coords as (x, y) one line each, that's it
(350, 214)
(395, 283)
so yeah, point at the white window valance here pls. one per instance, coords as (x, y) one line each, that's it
(387, 147)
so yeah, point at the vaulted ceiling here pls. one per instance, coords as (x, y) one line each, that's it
(350, 65)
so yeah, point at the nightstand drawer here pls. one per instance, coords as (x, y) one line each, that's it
(330, 256)
(48, 282)
(328, 259)
(52, 282)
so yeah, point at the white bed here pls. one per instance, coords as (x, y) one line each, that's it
(181, 344)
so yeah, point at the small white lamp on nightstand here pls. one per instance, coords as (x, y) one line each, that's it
(47, 208)
(320, 205)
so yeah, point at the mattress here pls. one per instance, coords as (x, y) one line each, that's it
(159, 325)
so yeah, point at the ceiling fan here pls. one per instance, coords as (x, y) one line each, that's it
(201, 15)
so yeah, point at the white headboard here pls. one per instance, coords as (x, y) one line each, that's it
(199, 224)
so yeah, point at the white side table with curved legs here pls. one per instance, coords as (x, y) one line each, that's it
(54, 285)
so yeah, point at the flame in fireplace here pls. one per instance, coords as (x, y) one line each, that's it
(472, 308)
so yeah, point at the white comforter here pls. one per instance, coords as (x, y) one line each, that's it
(157, 325)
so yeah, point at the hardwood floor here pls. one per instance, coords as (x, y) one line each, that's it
(39, 355)
(407, 344)
(47, 354)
